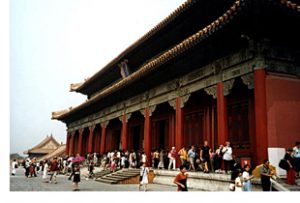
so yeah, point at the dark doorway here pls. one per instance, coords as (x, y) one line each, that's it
(136, 137)
(160, 134)
(116, 135)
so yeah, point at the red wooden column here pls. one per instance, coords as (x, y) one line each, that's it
(90, 143)
(68, 143)
(80, 141)
(178, 128)
(71, 148)
(147, 135)
(261, 133)
(124, 136)
(222, 115)
(103, 135)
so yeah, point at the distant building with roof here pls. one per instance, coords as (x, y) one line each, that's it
(48, 145)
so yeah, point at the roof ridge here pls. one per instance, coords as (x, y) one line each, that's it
(170, 53)
(187, 4)
(42, 143)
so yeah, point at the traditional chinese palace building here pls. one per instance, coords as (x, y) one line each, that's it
(212, 70)
(45, 147)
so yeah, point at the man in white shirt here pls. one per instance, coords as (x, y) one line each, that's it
(227, 157)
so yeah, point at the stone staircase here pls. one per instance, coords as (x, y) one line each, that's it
(101, 173)
(120, 176)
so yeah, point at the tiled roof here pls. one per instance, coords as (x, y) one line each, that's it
(61, 150)
(38, 148)
(145, 37)
(167, 55)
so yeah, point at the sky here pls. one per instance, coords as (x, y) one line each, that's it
(54, 43)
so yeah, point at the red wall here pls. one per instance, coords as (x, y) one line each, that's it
(283, 111)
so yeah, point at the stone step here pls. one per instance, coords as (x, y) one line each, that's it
(123, 176)
(107, 181)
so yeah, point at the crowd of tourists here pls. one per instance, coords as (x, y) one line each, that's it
(192, 159)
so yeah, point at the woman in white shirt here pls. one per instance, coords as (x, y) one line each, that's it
(45, 171)
(144, 176)
(227, 157)
(247, 178)
(14, 165)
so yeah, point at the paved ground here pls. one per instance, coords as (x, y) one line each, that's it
(20, 183)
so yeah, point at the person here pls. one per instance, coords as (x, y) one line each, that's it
(192, 156)
(247, 178)
(27, 166)
(265, 176)
(183, 155)
(205, 154)
(238, 183)
(45, 171)
(53, 170)
(218, 159)
(235, 168)
(296, 155)
(290, 172)
(156, 158)
(76, 177)
(14, 166)
(144, 176)
(144, 158)
(172, 158)
(91, 169)
(227, 157)
(181, 179)
(161, 159)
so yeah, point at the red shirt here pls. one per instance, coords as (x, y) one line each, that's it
(179, 179)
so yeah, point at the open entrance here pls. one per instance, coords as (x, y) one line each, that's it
(136, 131)
(85, 137)
(162, 127)
(113, 136)
(198, 120)
(96, 138)
(241, 126)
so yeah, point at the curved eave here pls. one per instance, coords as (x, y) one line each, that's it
(177, 50)
(182, 8)
(165, 56)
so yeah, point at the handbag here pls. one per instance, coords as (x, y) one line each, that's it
(141, 177)
(284, 164)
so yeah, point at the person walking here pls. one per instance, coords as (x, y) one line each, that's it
(14, 166)
(76, 177)
(172, 158)
(53, 170)
(45, 171)
(227, 157)
(144, 176)
(247, 178)
(181, 179)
